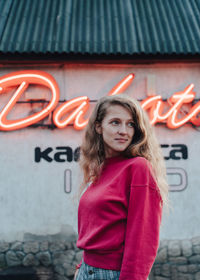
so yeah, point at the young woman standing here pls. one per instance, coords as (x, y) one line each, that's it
(119, 213)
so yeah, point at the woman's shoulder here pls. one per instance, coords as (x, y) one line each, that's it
(140, 169)
(142, 174)
(139, 162)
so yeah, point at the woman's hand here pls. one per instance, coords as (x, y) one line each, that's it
(76, 273)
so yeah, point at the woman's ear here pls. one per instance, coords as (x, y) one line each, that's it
(98, 128)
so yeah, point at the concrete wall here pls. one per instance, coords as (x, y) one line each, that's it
(38, 197)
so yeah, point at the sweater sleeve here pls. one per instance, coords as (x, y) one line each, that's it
(142, 231)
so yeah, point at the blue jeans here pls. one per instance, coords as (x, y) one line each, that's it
(87, 272)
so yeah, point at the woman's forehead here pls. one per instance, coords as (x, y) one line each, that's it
(118, 111)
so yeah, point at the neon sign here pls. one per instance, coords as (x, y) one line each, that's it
(23, 79)
(155, 105)
(73, 111)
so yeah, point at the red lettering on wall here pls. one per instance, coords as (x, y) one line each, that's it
(22, 79)
(77, 106)
(155, 107)
(72, 111)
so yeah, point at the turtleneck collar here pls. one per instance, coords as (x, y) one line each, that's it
(114, 159)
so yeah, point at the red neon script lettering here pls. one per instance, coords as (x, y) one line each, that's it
(155, 107)
(122, 85)
(72, 111)
(76, 115)
(83, 105)
(22, 79)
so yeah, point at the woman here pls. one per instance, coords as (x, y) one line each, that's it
(120, 212)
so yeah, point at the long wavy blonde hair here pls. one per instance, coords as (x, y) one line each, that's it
(144, 143)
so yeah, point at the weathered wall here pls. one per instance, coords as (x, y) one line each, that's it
(177, 260)
(44, 257)
(51, 259)
(37, 196)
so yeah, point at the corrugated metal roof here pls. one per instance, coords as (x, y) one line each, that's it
(126, 27)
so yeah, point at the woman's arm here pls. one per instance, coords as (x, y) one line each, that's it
(142, 230)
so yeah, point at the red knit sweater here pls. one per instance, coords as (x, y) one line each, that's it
(119, 218)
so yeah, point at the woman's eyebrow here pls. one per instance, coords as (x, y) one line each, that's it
(117, 118)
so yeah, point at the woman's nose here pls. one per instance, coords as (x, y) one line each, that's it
(123, 129)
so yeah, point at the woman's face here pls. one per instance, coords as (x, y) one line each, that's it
(117, 130)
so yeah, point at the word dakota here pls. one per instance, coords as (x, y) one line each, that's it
(72, 111)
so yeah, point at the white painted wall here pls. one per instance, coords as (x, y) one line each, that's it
(32, 195)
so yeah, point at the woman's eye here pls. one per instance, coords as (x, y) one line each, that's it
(115, 122)
(131, 124)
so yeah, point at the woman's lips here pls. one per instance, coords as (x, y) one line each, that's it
(121, 140)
